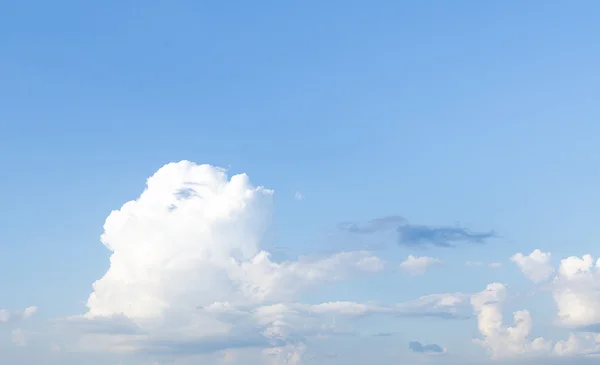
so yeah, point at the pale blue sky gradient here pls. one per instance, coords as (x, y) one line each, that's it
(483, 114)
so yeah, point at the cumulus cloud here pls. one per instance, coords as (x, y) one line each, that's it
(502, 341)
(416, 346)
(186, 258)
(418, 235)
(536, 266)
(188, 276)
(576, 292)
(418, 265)
(7, 316)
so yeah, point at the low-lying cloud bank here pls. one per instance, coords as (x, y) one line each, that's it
(188, 276)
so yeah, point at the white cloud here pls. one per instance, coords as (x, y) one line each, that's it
(579, 344)
(192, 240)
(499, 340)
(577, 291)
(536, 266)
(29, 311)
(495, 265)
(298, 196)
(188, 276)
(418, 265)
(438, 305)
(8, 316)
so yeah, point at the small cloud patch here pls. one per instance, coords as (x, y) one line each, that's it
(418, 347)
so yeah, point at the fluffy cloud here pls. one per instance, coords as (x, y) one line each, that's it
(188, 276)
(186, 259)
(499, 340)
(577, 292)
(8, 316)
(574, 310)
(536, 266)
(418, 265)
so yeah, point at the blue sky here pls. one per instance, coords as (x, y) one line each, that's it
(466, 115)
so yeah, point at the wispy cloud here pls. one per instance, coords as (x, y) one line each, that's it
(418, 235)
(372, 226)
(410, 235)
(491, 265)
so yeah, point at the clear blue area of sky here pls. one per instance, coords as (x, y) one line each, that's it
(478, 112)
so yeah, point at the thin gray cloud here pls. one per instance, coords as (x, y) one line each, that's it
(112, 325)
(206, 345)
(410, 235)
(595, 328)
(372, 226)
(416, 346)
(418, 235)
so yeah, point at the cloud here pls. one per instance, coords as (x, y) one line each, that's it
(416, 346)
(579, 345)
(372, 226)
(9, 317)
(418, 265)
(536, 266)
(305, 319)
(418, 235)
(499, 340)
(188, 274)
(576, 292)
(410, 235)
(445, 306)
(298, 196)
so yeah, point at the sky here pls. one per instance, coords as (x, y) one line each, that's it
(288, 183)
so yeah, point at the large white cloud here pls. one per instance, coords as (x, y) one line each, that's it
(188, 276)
(192, 241)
